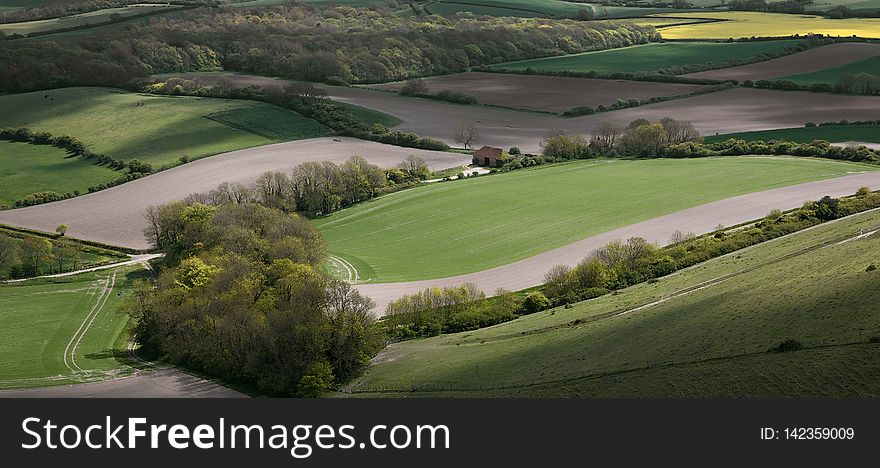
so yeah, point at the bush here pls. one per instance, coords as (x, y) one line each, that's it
(336, 81)
(871, 267)
(535, 302)
(787, 346)
(317, 381)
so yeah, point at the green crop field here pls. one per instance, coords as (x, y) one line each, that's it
(650, 57)
(82, 19)
(537, 8)
(160, 131)
(471, 225)
(823, 5)
(655, 339)
(832, 75)
(26, 168)
(369, 116)
(740, 24)
(65, 330)
(832, 133)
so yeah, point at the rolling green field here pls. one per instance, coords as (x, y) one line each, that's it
(26, 168)
(650, 57)
(832, 133)
(369, 116)
(161, 130)
(539, 8)
(823, 5)
(740, 24)
(662, 339)
(65, 330)
(832, 75)
(82, 19)
(475, 224)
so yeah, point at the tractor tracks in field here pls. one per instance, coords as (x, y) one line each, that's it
(109, 283)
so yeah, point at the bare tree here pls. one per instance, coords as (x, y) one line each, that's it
(678, 131)
(605, 136)
(415, 167)
(467, 134)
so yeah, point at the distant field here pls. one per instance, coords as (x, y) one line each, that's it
(546, 93)
(160, 131)
(64, 330)
(472, 225)
(832, 75)
(812, 287)
(739, 24)
(823, 5)
(832, 133)
(26, 168)
(650, 57)
(538, 8)
(83, 19)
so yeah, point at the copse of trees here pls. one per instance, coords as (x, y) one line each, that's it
(640, 138)
(447, 310)
(315, 189)
(242, 296)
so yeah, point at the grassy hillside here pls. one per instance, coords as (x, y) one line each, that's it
(154, 129)
(668, 339)
(832, 133)
(832, 75)
(66, 330)
(739, 24)
(26, 168)
(651, 57)
(475, 224)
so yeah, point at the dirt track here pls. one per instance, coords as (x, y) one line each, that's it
(158, 383)
(809, 61)
(530, 272)
(546, 93)
(116, 215)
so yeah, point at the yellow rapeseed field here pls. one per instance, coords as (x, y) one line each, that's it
(738, 24)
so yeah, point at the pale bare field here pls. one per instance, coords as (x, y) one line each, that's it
(116, 216)
(546, 93)
(809, 61)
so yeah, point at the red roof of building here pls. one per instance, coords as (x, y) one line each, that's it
(488, 152)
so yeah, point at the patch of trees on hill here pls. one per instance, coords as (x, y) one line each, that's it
(306, 43)
(242, 296)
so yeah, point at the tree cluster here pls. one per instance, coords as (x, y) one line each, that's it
(242, 296)
(447, 310)
(641, 138)
(303, 42)
(314, 189)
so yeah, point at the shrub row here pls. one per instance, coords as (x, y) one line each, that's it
(632, 102)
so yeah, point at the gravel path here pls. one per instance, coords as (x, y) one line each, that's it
(530, 272)
(158, 383)
(116, 215)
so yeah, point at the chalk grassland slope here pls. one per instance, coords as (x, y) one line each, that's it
(546, 93)
(832, 75)
(825, 63)
(650, 57)
(116, 216)
(82, 19)
(155, 129)
(739, 24)
(26, 168)
(473, 225)
(812, 287)
(64, 330)
(832, 133)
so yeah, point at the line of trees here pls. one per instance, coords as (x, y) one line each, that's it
(641, 138)
(315, 189)
(622, 264)
(242, 295)
(847, 83)
(24, 256)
